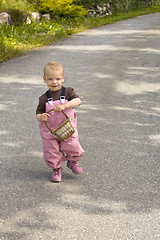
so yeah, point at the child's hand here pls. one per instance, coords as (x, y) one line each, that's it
(44, 117)
(59, 108)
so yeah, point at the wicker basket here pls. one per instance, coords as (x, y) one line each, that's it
(65, 130)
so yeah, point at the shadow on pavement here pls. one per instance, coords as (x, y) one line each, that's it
(118, 127)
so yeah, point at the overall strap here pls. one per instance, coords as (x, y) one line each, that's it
(49, 99)
(48, 96)
(62, 97)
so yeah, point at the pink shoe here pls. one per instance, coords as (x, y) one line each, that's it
(56, 176)
(74, 166)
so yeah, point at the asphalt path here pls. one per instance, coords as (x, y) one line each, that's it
(116, 71)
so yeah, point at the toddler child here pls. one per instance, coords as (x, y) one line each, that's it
(55, 150)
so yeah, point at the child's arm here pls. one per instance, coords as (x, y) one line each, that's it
(71, 104)
(42, 117)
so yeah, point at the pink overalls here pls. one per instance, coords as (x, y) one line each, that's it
(55, 150)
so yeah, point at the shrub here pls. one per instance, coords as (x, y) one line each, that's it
(18, 9)
(120, 5)
(17, 16)
(61, 8)
(91, 3)
(22, 5)
(129, 5)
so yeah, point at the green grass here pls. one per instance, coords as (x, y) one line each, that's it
(15, 40)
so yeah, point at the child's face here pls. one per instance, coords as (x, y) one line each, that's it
(53, 79)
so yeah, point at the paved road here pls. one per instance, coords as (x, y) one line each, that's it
(116, 70)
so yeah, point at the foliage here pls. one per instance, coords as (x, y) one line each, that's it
(61, 8)
(18, 9)
(91, 3)
(120, 5)
(130, 5)
(7, 48)
(22, 5)
(16, 39)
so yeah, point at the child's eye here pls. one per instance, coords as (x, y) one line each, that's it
(58, 79)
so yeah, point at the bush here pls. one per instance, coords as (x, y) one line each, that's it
(17, 16)
(22, 5)
(119, 6)
(18, 9)
(91, 3)
(61, 8)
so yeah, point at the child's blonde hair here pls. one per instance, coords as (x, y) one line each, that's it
(54, 66)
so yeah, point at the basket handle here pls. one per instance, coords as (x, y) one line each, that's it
(52, 131)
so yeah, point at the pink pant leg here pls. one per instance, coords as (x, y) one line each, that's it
(72, 148)
(52, 154)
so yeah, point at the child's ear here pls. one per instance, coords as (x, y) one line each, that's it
(44, 79)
